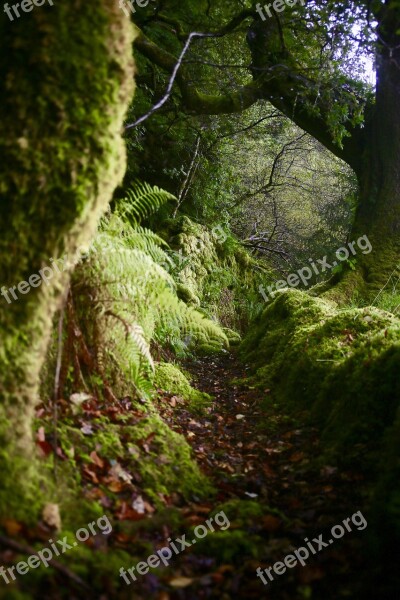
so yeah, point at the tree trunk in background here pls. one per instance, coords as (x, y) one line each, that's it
(378, 214)
(66, 79)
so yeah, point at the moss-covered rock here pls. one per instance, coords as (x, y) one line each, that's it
(234, 337)
(241, 513)
(230, 546)
(171, 379)
(208, 349)
(215, 271)
(187, 294)
(341, 365)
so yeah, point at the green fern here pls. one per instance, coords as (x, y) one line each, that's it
(141, 201)
(133, 297)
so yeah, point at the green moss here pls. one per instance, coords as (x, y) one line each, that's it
(217, 272)
(243, 257)
(229, 546)
(247, 514)
(24, 484)
(187, 294)
(171, 379)
(234, 337)
(91, 565)
(165, 466)
(208, 349)
(340, 365)
(241, 513)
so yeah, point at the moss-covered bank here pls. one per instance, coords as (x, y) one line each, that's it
(216, 272)
(342, 367)
(171, 379)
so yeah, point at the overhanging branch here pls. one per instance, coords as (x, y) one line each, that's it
(280, 84)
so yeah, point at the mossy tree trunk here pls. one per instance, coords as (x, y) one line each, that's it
(378, 213)
(66, 79)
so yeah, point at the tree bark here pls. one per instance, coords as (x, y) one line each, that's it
(378, 213)
(66, 78)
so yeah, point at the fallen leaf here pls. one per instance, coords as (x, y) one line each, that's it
(180, 582)
(96, 459)
(41, 436)
(11, 526)
(90, 474)
(271, 523)
(118, 472)
(297, 457)
(327, 471)
(163, 596)
(139, 505)
(87, 429)
(127, 513)
(115, 486)
(45, 448)
(149, 508)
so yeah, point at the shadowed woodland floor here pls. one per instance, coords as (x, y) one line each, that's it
(262, 465)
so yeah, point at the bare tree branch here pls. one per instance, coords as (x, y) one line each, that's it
(167, 94)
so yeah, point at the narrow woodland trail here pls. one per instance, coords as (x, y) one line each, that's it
(263, 459)
(267, 484)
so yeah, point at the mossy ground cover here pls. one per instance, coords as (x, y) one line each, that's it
(121, 460)
(172, 380)
(341, 366)
(159, 470)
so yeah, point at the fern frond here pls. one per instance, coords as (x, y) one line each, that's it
(142, 200)
(133, 298)
(137, 336)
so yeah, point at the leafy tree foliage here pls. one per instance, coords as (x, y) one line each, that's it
(308, 63)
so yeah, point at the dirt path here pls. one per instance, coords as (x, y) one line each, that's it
(263, 466)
